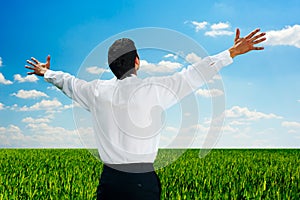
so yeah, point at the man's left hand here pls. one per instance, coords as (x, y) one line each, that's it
(246, 44)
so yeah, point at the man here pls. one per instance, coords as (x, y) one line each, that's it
(125, 119)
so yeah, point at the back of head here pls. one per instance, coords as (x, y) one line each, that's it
(121, 57)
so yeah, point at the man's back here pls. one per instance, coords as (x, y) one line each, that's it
(126, 113)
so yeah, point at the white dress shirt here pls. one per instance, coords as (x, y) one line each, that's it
(127, 113)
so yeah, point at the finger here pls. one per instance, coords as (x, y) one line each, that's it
(31, 63)
(29, 67)
(259, 41)
(258, 36)
(30, 73)
(237, 34)
(48, 61)
(252, 33)
(35, 60)
(258, 48)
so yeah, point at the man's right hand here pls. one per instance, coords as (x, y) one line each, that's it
(38, 67)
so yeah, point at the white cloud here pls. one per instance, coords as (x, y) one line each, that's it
(11, 129)
(34, 121)
(246, 114)
(243, 129)
(1, 62)
(294, 127)
(220, 25)
(290, 35)
(215, 33)
(51, 136)
(13, 107)
(162, 67)
(170, 55)
(48, 105)
(28, 78)
(192, 58)
(1, 106)
(96, 70)
(41, 135)
(219, 29)
(197, 135)
(3, 80)
(10, 136)
(29, 94)
(203, 129)
(216, 29)
(298, 100)
(73, 105)
(199, 25)
(209, 93)
(290, 124)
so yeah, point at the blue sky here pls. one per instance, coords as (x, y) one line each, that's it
(261, 88)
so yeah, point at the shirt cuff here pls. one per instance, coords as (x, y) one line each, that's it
(49, 74)
(225, 57)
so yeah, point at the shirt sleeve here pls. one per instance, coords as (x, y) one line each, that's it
(79, 90)
(175, 87)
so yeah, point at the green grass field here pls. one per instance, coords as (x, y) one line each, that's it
(222, 174)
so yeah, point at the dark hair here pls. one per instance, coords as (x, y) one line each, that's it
(121, 57)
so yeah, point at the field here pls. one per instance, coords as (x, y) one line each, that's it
(222, 174)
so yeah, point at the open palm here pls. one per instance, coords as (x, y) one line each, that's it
(38, 67)
(245, 44)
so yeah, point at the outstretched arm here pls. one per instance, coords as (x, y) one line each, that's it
(191, 78)
(77, 89)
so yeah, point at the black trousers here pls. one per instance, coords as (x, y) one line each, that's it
(120, 183)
